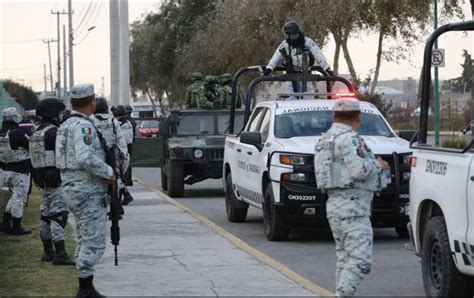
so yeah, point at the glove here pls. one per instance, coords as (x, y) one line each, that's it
(330, 72)
(267, 71)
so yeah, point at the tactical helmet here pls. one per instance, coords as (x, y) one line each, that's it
(196, 76)
(128, 109)
(226, 78)
(10, 114)
(119, 111)
(291, 27)
(211, 79)
(101, 106)
(49, 108)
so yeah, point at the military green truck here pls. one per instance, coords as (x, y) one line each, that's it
(190, 148)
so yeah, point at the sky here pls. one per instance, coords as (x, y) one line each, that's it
(25, 24)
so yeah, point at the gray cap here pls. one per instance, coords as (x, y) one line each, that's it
(82, 91)
(346, 105)
(10, 114)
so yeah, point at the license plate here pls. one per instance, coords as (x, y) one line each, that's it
(154, 136)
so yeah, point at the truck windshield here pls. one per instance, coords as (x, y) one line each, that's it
(196, 125)
(314, 123)
(223, 123)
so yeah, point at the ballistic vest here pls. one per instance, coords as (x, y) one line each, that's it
(40, 157)
(9, 155)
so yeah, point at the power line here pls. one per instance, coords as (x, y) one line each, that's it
(85, 15)
(20, 41)
(92, 23)
(87, 23)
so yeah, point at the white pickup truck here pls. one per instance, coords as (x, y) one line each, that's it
(442, 201)
(269, 165)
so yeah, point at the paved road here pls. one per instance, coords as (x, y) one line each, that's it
(396, 271)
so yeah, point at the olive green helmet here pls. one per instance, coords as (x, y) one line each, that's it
(211, 79)
(196, 76)
(226, 78)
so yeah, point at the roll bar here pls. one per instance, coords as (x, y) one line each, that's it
(426, 72)
(305, 77)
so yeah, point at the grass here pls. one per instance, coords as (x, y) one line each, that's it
(21, 271)
(454, 142)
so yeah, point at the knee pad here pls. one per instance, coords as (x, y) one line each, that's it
(60, 218)
(46, 219)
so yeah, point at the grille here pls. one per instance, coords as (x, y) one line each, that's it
(216, 153)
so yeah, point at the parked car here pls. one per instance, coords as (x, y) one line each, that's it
(149, 129)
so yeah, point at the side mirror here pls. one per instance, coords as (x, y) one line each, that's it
(407, 135)
(252, 138)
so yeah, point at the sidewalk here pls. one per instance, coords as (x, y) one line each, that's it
(165, 251)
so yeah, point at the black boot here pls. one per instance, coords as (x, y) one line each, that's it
(127, 197)
(86, 288)
(61, 257)
(48, 251)
(5, 226)
(17, 229)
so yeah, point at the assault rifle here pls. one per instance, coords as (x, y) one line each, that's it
(116, 209)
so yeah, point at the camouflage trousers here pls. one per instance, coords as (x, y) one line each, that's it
(90, 218)
(354, 239)
(18, 184)
(53, 214)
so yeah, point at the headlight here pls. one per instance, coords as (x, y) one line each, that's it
(294, 177)
(294, 160)
(198, 153)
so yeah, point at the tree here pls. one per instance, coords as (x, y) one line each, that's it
(24, 95)
(376, 99)
(464, 82)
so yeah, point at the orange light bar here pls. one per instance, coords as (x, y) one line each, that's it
(347, 94)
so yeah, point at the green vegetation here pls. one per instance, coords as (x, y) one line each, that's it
(23, 95)
(454, 142)
(22, 273)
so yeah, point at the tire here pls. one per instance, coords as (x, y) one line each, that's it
(274, 231)
(441, 278)
(164, 180)
(236, 210)
(175, 180)
(402, 232)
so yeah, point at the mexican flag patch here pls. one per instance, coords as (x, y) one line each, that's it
(87, 130)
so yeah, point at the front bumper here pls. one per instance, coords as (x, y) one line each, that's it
(304, 207)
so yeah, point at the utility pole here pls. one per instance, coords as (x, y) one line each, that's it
(58, 13)
(124, 54)
(66, 97)
(71, 39)
(50, 66)
(114, 53)
(45, 77)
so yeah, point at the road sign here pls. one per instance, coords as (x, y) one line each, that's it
(437, 57)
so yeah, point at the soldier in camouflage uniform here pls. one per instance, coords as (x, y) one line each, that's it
(15, 162)
(120, 113)
(190, 97)
(226, 89)
(80, 156)
(111, 131)
(53, 209)
(209, 95)
(347, 169)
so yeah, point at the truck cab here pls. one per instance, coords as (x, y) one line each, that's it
(442, 200)
(269, 165)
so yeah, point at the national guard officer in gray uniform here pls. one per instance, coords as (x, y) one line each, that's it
(54, 213)
(350, 174)
(15, 162)
(80, 155)
(121, 115)
(112, 134)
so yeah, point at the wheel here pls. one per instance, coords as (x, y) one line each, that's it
(175, 180)
(164, 180)
(402, 232)
(441, 278)
(274, 231)
(235, 209)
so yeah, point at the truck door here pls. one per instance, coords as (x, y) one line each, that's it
(469, 250)
(257, 159)
(247, 151)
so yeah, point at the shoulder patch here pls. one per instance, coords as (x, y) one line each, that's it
(86, 130)
(87, 140)
(360, 152)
